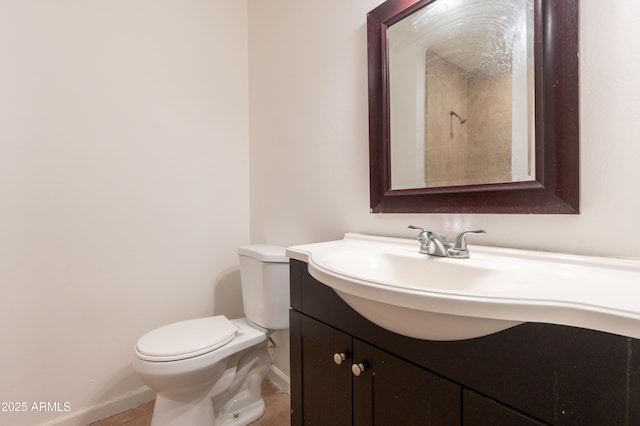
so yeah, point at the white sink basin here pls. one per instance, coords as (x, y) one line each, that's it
(388, 282)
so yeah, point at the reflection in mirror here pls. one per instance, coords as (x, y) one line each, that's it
(462, 85)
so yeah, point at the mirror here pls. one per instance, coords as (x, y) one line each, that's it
(461, 94)
(473, 106)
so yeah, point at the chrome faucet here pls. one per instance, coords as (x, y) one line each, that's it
(437, 245)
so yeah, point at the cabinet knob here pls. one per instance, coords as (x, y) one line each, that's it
(357, 369)
(339, 357)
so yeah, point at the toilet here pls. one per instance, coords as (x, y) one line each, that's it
(209, 371)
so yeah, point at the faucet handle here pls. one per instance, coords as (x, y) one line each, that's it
(461, 239)
(423, 238)
(424, 233)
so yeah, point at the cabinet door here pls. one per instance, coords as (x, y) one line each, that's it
(391, 391)
(326, 385)
(479, 410)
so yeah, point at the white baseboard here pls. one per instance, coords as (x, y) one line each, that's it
(279, 378)
(105, 409)
(138, 397)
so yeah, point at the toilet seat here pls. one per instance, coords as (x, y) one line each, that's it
(186, 339)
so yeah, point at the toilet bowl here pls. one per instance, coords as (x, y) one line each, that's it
(209, 371)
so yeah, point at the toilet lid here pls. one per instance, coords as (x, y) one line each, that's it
(186, 339)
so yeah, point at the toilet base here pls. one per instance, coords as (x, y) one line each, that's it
(234, 399)
(170, 412)
(242, 402)
(243, 416)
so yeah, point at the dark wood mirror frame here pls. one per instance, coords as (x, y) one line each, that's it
(556, 188)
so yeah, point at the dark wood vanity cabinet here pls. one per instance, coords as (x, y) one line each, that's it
(392, 391)
(325, 385)
(388, 389)
(533, 374)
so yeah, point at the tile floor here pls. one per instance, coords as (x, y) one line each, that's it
(277, 412)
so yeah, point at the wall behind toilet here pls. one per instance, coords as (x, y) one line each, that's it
(124, 186)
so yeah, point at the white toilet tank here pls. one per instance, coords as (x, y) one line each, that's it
(264, 273)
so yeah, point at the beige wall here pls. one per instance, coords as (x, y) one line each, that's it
(489, 128)
(446, 139)
(124, 181)
(309, 168)
(478, 150)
